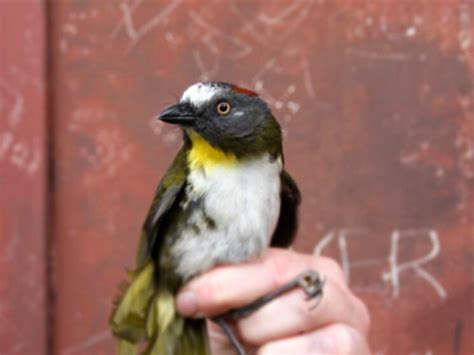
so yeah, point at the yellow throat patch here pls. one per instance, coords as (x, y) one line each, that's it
(203, 155)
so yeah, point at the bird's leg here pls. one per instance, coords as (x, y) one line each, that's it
(309, 281)
(224, 324)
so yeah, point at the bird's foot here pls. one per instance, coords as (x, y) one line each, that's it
(309, 281)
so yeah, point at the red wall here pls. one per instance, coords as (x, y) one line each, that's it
(376, 102)
(23, 285)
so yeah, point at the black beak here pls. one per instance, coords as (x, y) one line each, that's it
(181, 114)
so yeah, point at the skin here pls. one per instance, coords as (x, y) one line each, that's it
(289, 325)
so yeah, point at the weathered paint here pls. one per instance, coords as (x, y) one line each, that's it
(375, 98)
(376, 102)
(23, 283)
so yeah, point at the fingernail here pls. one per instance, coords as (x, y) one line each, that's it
(186, 302)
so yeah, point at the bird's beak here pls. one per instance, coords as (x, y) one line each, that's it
(178, 114)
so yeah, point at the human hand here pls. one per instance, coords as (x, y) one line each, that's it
(288, 324)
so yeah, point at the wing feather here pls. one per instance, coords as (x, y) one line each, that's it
(287, 225)
(166, 195)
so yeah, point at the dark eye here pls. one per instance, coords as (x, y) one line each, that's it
(223, 108)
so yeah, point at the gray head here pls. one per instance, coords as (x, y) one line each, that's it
(229, 117)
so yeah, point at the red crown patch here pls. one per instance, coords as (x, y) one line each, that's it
(242, 90)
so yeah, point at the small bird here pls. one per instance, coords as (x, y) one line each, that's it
(224, 199)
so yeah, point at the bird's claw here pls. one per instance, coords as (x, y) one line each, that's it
(311, 283)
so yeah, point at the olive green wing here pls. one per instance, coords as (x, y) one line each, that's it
(166, 194)
(288, 220)
(136, 316)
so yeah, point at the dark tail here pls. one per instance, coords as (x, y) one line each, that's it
(146, 311)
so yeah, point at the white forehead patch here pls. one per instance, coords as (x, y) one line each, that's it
(199, 93)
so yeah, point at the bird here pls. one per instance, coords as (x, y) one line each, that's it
(225, 199)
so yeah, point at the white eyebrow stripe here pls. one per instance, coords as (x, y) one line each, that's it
(198, 94)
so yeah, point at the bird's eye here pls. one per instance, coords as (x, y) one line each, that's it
(223, 108)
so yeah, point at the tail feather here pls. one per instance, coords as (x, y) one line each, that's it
(182, 337)
(124, 347)
(194, 339)
(130, 314)
(146, 311)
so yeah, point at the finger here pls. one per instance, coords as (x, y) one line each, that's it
(219, 342)
(293, 314)
(333, 339)
(233, 286)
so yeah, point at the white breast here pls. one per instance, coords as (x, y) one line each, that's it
(243, 201)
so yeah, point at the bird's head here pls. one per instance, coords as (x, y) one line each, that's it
(231, 119)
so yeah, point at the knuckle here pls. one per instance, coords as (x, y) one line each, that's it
(277, 268)
(331, 268)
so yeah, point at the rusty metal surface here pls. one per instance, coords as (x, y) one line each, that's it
(22, 178)
(375, 98)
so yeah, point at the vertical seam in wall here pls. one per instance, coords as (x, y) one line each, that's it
(50, 316)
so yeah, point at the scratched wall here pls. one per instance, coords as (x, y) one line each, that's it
(22, 178)
(375, 98)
